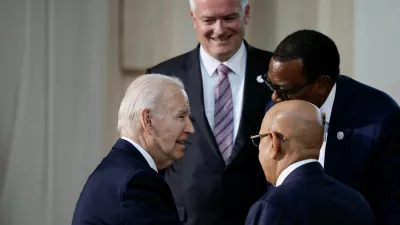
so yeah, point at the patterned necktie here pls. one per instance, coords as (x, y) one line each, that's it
(223, 113)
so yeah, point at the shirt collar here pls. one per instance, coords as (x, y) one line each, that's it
(326, 108)
(235, 63)
(290, 169)
(145, 154)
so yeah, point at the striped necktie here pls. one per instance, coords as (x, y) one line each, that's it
(223, 113)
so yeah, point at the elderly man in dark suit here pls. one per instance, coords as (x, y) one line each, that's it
(125, 188)
(362, 123)
(290, 139)
(220, 177)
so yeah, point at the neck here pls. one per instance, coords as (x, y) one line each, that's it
(326, 94)
(155, 153)
(281, 166)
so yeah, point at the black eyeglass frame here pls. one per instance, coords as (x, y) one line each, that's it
(284, 94)
(259, 136)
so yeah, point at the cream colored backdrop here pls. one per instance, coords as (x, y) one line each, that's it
(153, 31)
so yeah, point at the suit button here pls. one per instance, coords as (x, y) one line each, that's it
(340, 135)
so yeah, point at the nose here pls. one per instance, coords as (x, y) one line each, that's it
(219, 27)
(189, 127)
(275, 97)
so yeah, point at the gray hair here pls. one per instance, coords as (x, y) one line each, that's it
(145, 91)
(193, 4)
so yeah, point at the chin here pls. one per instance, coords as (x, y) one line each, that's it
(179, 156)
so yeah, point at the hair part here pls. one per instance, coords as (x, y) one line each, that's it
(317, 52)
(193, 4)
(145, 92)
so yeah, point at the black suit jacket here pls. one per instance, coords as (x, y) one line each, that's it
(367, 158)
(124, 189)
(308, 196)
(205, 190)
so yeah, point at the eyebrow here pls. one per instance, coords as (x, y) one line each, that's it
(183, 111)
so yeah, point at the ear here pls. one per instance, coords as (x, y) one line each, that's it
(323, 84)
(246, 14)
(145, 119)
(193, 16)
(276, 146)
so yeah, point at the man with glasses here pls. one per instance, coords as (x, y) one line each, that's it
(290, 138)
(360, 147)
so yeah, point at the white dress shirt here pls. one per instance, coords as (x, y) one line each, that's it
(326, 109)
(209, 65)
(145, 154)
(290, 169)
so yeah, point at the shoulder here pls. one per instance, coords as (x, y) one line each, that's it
(117, 167)
(367, 97)
(143, 180)
(266, 212)
(170, 65)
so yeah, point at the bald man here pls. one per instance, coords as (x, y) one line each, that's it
(289, 142)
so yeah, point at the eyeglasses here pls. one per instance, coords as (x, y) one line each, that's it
(284, 94)
(257, 138)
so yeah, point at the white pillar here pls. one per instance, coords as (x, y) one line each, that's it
(377, 46)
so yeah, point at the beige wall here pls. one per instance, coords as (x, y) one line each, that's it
(153, 31)
(144, 33)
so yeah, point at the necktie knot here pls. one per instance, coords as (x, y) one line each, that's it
(223, 70)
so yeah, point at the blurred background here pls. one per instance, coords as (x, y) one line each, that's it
(65, 64)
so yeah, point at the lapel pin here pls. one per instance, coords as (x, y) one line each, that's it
(340, 135)
(259, 79)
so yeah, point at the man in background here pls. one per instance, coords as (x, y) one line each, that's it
(360, 147)
(154, 124)
(220, 177)
(290, 139)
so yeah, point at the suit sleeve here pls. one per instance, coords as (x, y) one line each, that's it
(385, 190)
(145, 199)
(263, 212)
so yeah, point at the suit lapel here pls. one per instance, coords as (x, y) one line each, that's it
(194, 87)
(252, 89)
(339, 128)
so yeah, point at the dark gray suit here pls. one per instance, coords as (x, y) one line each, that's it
(205, 190)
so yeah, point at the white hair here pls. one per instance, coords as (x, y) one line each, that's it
(145, 91)
(193, 4)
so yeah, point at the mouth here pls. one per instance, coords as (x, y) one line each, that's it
(222, 39)
(181, 143)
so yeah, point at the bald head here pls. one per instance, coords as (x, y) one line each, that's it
(299, 121)
(295, 131)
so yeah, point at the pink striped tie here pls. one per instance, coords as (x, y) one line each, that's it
(223, 113)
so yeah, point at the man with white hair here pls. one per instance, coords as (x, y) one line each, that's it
(125, 188)
(220, 177)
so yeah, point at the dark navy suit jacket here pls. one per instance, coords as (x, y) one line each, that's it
(124, 189)
(308, 196)
(367, 158)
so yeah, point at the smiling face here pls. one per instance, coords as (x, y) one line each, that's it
(172, 126)
(220, 26)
